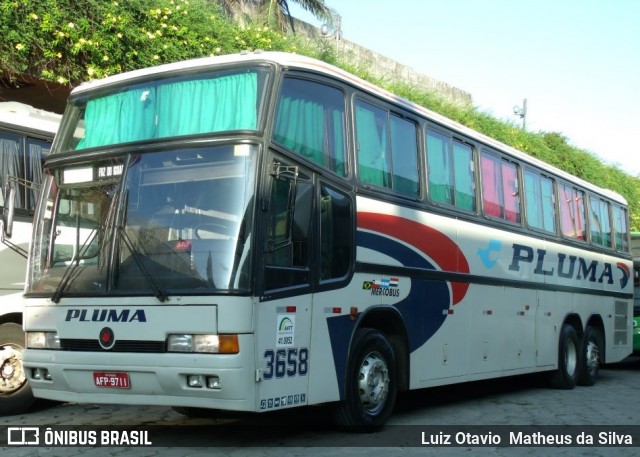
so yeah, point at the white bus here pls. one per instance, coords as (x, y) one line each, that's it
(26, 134)
(265, 231)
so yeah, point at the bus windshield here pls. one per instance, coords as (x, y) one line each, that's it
(204, 103)
(158, 223)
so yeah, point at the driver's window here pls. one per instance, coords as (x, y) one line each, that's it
(279, 245)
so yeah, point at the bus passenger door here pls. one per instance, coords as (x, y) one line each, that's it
(283, 320)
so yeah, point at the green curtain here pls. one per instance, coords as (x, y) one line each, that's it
(464, 178)
(300, 127)
(172, 109)
(372, 165)
(207, 105)
(405, 156)
(439, 169)
(533, 199)
(339, 152)
(119, 118)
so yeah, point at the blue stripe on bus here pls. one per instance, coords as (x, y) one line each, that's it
(423, 310)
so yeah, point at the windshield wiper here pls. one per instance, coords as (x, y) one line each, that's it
(74, 266)
(159, 291)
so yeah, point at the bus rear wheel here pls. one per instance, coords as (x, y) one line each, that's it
(371, 384)
(15, 392)
(566, 376)
(592, 347)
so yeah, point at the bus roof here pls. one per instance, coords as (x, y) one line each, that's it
(25, 117)
(297, 61)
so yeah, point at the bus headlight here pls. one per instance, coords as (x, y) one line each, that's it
(207, 344)
(43, 340)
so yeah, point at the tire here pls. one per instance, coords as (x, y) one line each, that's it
(566, 376)
(371, 384)
(592, 351)
(15, 392)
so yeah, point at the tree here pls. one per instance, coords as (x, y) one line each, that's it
(274, 13)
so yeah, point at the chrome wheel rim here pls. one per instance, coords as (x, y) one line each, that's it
(373, 383)
(12, 376)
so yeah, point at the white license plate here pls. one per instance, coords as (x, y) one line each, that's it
(114, 380)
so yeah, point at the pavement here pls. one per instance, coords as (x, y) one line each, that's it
(517, 408)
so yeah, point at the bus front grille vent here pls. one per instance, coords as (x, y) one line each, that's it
(82, 345)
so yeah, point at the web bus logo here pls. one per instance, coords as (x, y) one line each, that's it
(23, 436)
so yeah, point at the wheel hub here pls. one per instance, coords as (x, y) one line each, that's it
(593, 357)
(373, 383)
(12, 376)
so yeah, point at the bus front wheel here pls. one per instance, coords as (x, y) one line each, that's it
(566, 376)
(371, 387)
(15, 393)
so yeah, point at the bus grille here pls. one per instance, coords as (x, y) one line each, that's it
(82, 345)
(620, 324)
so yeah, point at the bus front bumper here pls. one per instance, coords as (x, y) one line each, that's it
(186, 380)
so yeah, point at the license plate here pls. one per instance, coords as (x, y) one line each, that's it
(114, 380)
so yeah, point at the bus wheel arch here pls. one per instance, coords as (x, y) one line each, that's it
(371, 383)
(389, 321)
(377, 368)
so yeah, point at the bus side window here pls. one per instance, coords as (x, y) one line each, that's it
(572, 212)
(310, 121)
(374, 165)
(439, 169)
(36, 152)
(404, 155)
(450, 171)
(539, 201)
(500, 193)
(620, 229)
(464, 176)
(599, 222)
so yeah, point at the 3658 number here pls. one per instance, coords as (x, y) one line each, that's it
(286, 362)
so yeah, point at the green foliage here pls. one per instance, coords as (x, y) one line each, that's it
(70, 41)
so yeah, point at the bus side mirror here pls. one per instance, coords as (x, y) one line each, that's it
(8, 210)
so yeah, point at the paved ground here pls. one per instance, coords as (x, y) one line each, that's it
(490, 410)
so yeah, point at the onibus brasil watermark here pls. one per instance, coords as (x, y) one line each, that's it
(47, 436)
